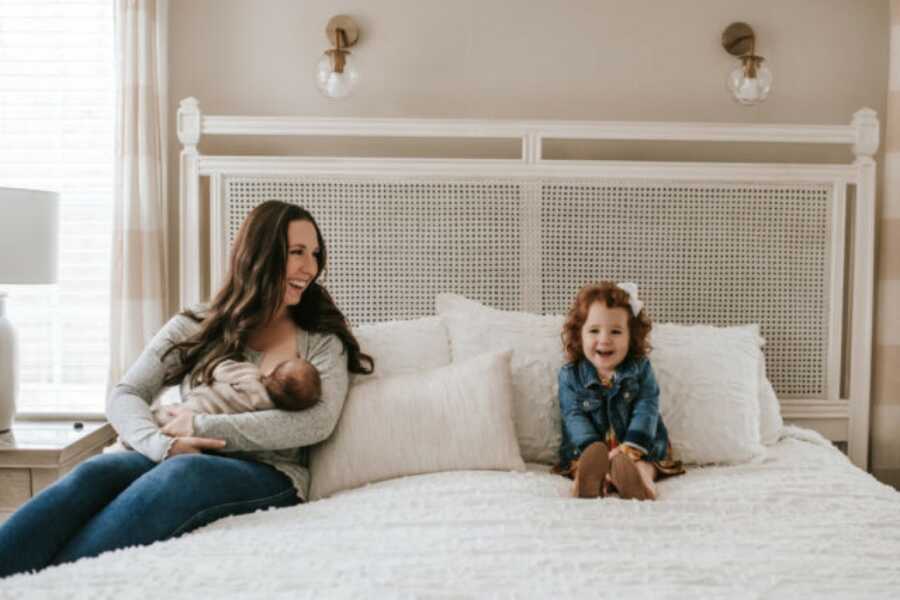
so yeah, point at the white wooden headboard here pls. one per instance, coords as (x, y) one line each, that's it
(719, 243)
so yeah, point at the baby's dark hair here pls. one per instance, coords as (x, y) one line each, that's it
(612, 296)
(294, 385)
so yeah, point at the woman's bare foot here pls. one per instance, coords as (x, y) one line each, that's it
(593, 465)
(633, 479)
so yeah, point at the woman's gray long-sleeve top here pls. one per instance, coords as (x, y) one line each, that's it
(275, 437)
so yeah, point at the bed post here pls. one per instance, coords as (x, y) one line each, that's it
(865, 122)
(188, 122)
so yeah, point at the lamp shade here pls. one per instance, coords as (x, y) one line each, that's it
(29, 234)
(336, 84)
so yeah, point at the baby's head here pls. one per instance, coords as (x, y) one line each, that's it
(293, 385)
(602, 327)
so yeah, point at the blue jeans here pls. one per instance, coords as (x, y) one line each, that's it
(124, 499)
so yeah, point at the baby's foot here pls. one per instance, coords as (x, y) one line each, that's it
(593, 465)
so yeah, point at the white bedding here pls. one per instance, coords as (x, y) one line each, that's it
(804, 523)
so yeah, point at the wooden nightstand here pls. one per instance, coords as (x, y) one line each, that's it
(37, 453)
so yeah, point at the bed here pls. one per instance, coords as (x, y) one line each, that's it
(805, 523)
(496, 247)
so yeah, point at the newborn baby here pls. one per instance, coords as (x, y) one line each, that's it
(240, 387)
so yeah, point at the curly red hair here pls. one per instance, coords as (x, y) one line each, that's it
(613, 297)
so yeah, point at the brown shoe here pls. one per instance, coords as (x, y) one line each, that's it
(625, 476)
(593, 465)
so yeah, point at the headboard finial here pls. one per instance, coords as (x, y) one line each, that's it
(865, 121)
(188, 121)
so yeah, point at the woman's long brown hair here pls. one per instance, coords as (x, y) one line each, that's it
(253, 292)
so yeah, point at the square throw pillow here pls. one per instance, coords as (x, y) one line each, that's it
(400, 347)
(455, 417)
(770, 421)
(709, 379)
(537, 356)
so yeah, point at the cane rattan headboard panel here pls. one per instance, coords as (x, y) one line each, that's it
(722, 254)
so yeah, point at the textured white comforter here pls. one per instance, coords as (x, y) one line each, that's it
(805, 523)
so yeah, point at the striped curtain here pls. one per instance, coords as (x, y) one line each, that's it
(886, 377)
(139, 242)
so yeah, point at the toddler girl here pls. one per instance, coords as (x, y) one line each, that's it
(613, 435)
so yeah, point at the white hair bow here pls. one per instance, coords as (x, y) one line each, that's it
(631, 290)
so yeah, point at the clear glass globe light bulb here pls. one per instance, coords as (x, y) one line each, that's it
(332, 83)
(750, 90)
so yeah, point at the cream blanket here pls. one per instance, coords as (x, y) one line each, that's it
(803, 523)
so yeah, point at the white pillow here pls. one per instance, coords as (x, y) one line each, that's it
(453, 417)
(709, 379)
(537, 357)
(400, 347)
(770, 422)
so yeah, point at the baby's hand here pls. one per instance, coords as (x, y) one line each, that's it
(614, 451)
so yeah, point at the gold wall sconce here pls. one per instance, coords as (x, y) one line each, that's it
(750, 81)
(336, 75)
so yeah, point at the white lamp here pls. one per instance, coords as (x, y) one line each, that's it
(29, 234)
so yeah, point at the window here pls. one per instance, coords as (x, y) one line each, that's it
(56, 132)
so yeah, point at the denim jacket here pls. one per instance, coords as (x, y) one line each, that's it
(630, 407)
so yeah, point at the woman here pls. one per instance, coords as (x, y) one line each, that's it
(271, 309)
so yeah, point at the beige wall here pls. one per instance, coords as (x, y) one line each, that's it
(571, 59)
(886, 391)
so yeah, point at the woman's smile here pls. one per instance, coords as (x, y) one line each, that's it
(302, 265)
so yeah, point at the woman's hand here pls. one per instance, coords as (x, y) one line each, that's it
(181, 423)
(181, 427)
(193, 445)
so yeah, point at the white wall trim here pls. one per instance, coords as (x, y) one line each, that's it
(500, 129)
(288, 165)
